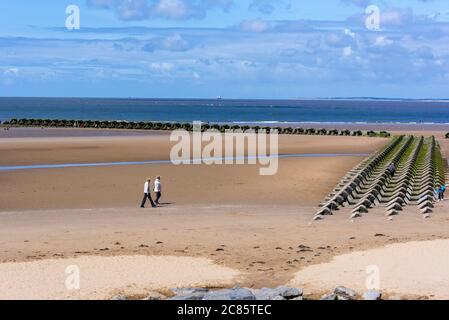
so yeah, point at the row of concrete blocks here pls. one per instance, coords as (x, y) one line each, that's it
(423, 185)
(400, 194)
(417, 181)
(426, 181)
(405, 180)
(373, 196)
(354, 177)
(344, 192)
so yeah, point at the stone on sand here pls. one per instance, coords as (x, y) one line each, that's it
(372, 295)
(344, 293)
(189, 294)
(282, 291)
(230, 294)
(426, 210)
(155, 296)
(329, 297)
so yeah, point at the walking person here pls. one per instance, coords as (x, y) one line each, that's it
(158, 189)
(438, 192)
(443, 190)
(392, 168)
(147, 194)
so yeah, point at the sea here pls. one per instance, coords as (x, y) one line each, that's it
(356, 111)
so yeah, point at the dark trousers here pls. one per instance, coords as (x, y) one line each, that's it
(144, 200)
(158, 196)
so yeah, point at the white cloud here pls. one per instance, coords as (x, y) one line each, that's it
(347, 51)
(167, 9)
(11, 72)
(172, 9)
(257, 25)
(382, 41)
(396, 17)
(162, 66)
(350, 33)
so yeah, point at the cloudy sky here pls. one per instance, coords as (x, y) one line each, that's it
(228, 48)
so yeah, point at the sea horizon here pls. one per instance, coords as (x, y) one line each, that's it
(237, 111)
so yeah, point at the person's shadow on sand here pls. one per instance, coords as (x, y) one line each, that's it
(165, 204)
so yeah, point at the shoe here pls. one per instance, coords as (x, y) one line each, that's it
(142, 207)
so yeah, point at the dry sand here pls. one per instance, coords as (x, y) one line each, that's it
(261, 241)
(103, 277)
(413, 268)
(229, 214)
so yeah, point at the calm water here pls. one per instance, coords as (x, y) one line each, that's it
(113, 164)
(252, 111)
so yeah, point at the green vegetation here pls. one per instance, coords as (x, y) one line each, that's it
(439, 164)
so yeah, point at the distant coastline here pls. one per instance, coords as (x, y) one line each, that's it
(328, 112)
(445, 100)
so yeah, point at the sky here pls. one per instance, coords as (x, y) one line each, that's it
(262, 49)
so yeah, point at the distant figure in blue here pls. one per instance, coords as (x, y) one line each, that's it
(443, 190)
(392, 168)
(438, 192)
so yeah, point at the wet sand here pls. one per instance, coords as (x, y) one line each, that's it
(259, 226)
(109, 187)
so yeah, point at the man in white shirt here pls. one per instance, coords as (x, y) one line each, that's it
(158, 189)
(147, 194)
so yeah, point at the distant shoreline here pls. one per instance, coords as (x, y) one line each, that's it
(350, 113)
(35, 132)
(380, 99)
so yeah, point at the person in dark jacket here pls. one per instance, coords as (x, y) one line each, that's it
(147, 194)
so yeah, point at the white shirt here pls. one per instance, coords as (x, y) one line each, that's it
(146, 187)
(157, 186)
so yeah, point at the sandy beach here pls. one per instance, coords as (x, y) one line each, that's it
(399, 271)
(293, 150)
(226, 216)
(135, 275)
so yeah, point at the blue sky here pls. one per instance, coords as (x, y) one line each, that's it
(229, 48)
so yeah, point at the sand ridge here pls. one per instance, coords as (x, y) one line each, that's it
(90, 277)
(418, 268)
